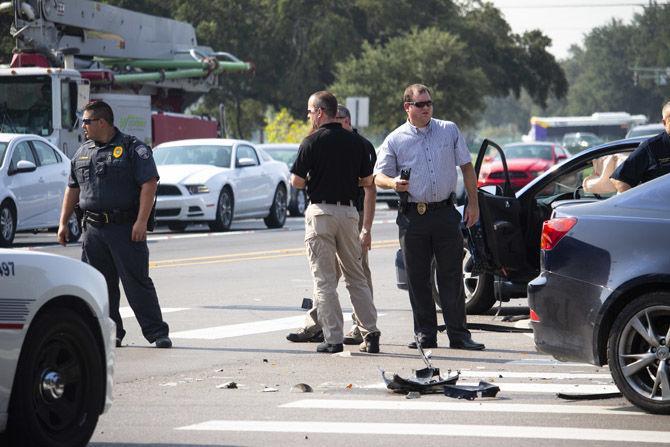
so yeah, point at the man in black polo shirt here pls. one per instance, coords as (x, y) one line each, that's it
(337, 163)
(650, 160)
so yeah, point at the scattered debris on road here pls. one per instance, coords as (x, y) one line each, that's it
(471, 392)
(301, 388)
(587, 396)
(228, 385)
(269, 389)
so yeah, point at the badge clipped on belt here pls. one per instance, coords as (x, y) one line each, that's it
(421, 208)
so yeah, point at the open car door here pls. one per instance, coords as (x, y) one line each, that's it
(497, 245)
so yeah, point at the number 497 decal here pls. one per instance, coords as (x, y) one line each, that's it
(6, 269)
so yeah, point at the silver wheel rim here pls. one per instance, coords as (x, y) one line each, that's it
(643, 353)
(225, 208)
(6, 223)
(301, 202)
(470, 281)
(280, 204)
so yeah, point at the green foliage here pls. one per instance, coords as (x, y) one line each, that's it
(432, 57)
(6, 39)
(283, 128)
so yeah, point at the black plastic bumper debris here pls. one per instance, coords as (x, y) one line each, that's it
(425, 381)
(470, 392)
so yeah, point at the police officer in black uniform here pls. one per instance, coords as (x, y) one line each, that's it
(650, 160)
(113, 180)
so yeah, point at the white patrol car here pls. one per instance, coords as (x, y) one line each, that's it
(56, 350)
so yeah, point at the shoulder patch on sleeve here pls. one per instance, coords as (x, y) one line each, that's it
(142, 151)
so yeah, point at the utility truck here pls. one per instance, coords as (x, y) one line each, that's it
(68, 52)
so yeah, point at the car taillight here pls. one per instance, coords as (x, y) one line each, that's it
(534, 316)
(553, 231)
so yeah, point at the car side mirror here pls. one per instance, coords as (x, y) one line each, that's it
(244, 162)
(23, 166)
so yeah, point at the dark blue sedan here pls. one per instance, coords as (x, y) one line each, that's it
(603, 294)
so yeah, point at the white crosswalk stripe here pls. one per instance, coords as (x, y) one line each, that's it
(468, 431)
(127, 312)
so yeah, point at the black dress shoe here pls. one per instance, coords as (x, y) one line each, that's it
(302, 336)
(370, 344)
(163, 342)
(425, 344)
(468, 344)
(330, 347)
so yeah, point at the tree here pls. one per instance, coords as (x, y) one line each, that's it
(432, 57)
(283, 128)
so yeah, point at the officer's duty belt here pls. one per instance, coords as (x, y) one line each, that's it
(99, 218)
(424, 207)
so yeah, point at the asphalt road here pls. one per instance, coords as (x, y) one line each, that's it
(230, 299)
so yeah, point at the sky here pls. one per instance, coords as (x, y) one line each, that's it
(566, 21)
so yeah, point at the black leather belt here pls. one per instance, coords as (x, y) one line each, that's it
(106, 217)
(338, 202)
(424, 207)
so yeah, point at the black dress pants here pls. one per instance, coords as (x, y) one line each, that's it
(434, 234)
(110, 250)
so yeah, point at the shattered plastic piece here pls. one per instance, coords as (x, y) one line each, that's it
(265, 360)
(469, 392)
(425, 381)
(589, 396)
(269, 389)
(342, 354)
(228, 385)
(307, 303)
(169, 384)
(301, 388)
(413, 395)
(349, 386)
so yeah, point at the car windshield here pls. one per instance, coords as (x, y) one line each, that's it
(25, 105)
(288, 156)
(645, 132)
(3, 150)
(526, 151)
(213, 155)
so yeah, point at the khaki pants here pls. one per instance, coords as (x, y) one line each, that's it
(331, 233)
(311, 319)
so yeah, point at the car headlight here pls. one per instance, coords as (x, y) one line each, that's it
(197, 189)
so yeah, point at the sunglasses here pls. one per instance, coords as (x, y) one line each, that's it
(88, 121)
(420, 104)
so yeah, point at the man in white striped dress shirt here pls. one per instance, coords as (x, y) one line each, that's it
(429, 225)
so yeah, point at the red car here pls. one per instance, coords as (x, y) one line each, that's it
(525, 161)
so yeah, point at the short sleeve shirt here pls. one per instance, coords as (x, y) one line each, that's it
(650, 160)
(332, 160)
(110, 176)
(373, 159)
(432, 153)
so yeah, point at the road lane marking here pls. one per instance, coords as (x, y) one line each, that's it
(249, 256)
(535, 375)
(460, 430)
(127, 312)
(465, 406)
(251, 328)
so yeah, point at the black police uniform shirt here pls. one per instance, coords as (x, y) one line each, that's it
(373, 160)
(334, 158)
(650, 160)
(110, 176)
